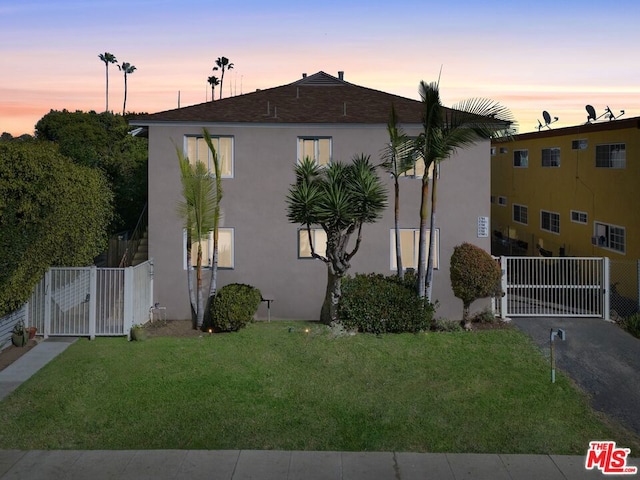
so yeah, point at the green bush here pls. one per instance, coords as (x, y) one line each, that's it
(233, 307)
(377, 304)
(632, 324)
(474, 274)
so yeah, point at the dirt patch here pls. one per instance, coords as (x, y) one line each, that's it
(12, 353)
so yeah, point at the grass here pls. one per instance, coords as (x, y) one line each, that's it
(273, 386)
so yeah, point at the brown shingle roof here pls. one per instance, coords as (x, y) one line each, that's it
(318, 98)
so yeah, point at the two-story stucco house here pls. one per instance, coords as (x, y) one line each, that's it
(259, 137)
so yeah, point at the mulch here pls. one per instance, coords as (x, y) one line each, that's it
(12, 353)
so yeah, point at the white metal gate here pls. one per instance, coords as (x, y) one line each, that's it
(92, 301)
(554, 287)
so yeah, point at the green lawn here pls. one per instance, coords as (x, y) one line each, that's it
(273, 386)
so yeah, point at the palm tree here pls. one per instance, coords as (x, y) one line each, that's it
(398, 159)
(223, 64)
(213, 80)
(107, 58)
(340, 199)
(128, 69)
(198, 210)
(444, 131)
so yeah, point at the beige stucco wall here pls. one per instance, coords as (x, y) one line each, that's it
(266, 243)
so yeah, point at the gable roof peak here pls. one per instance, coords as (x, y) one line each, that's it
(321, 79)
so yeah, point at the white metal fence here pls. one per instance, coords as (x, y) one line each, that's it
(91, 301)
(554, 287)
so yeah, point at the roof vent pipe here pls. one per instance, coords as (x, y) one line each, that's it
(304, 75)
(341, 75)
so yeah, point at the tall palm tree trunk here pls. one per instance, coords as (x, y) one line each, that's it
(106, 109)
(432, 235)
(124, 105)
(199, 293)
(422, 257)
(397, 227)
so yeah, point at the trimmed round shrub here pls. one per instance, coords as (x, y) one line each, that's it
(376, 304)
(234, 306)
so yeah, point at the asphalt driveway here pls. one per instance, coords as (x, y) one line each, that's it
(600, 357)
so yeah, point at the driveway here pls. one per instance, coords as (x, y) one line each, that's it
(600, 357)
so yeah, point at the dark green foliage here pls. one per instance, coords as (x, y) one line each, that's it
(377, 304)
(234, 306)
(474, 274)
(52, 213)
(632, 325)
(102, 140)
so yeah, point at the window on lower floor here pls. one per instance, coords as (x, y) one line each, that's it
(612, 155)
(579, 217)
(197, 150)
(318, 240)
(549, 221)
(225, 249)
(520, 214)
(409, 248)
(315, 148)
(610, 236)
(550, 157)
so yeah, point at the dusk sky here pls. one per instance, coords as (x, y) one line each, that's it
(529, 56)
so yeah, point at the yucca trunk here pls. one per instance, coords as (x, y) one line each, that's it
(329, 312)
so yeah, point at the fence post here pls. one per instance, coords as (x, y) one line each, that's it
(503, 286)
(128, 300)
(93, 301)
(47, 304)
(605, 289)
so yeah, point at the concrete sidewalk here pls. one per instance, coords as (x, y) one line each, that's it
(285, 465)
(267, 464)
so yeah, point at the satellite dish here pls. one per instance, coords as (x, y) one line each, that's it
(547, 117)
(591, 113)
(547, 120)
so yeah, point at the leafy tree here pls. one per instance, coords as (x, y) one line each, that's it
(52, 213)
(398, 159)
(199, 209)
(102, 140)
(213, 81)
(223, 64)
(445, 131)
(474, 274)
(128, 69)
(107, 58)
(339, 198)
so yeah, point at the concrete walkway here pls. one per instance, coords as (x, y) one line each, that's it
(277, 465)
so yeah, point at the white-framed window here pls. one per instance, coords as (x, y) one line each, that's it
(318, 149)
(197, 150)
(493, 151)
(580, 144)
(521, 158)
(319, 239)
(504, 150)
(502, 201)
(551, 157)
(409, 247)
(609, 236)
(612, 155)
(225, 249)
(579, 217)
(520, 214)
(417, 171)
(550, 221)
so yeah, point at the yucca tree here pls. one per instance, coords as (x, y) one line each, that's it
(223, 64)
(213, 81)
(398, 158)
(444, 131)
(339, 198)
(128, 69)
(107, 58)
(198, 210)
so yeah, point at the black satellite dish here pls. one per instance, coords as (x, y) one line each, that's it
(591, 113)
(547, 117)
(547, 120)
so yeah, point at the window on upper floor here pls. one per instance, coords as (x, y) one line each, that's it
(549, 221)
(520, 214)
(502, 201)
(579, 217)
(551, 157)
(316, 148)
(225, 249)
(318, 239)
(609, 236)
(611, 155)
(409, 247)
(521, 158)
(197, 150)
(581, 144)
